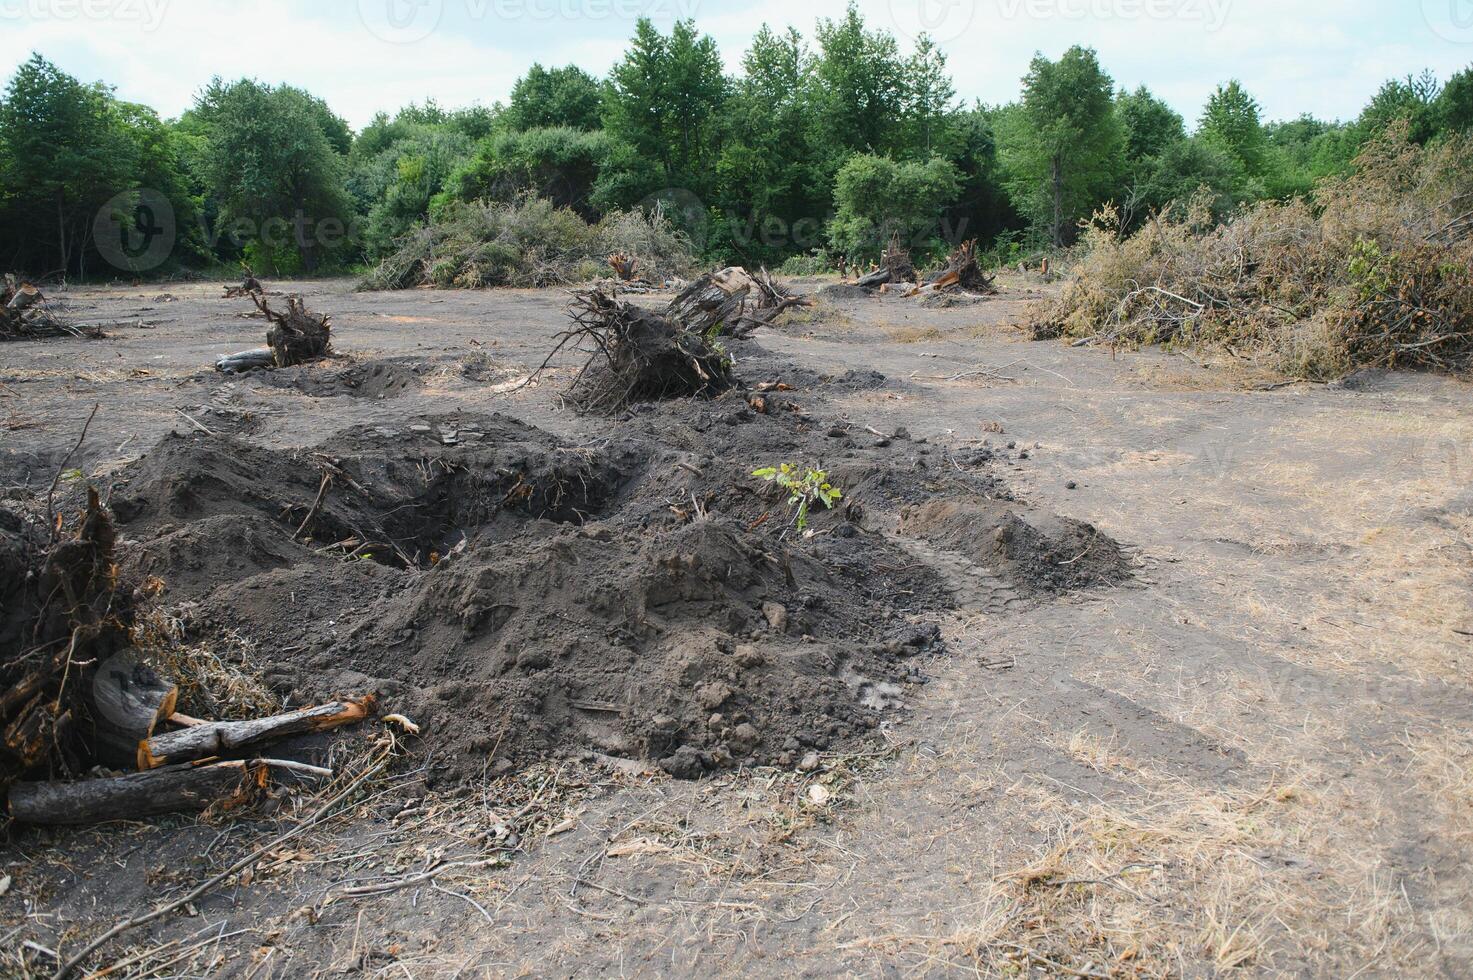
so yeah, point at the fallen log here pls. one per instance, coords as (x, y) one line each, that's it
(180, 789)
(129, 702)
(261, 359)
(227, 737)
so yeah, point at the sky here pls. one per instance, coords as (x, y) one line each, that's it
(1325, 57)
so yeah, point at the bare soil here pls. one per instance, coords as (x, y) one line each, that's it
(1105, 665)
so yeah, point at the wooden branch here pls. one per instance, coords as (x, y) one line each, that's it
(223, 738)
(136, 795)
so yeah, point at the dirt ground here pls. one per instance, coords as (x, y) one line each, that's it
(1124, 664)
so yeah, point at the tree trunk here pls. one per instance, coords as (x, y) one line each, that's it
(61, 233)
(1058, 203)
(221, 738)
(135, 796)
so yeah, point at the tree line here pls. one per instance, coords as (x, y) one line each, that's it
(830, 145)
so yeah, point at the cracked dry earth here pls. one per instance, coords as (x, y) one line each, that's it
(1250, 752)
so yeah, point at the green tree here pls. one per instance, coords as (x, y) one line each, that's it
(64, 152)
(1414, 98)
(1454, 110)
(273, 162)
(1064, 147)
(665, 101)
(1231, 122)
(769, 191)
(1150, 125)
(559, 97)
(558, 163)
(876, 198)
(858, 94)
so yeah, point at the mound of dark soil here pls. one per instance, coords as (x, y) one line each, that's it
(369, 379)
(637, 594)
(404, 494)
(1035, 552)
(840, 292)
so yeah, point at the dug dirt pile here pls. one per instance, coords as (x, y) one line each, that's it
(1036, 553)
(634, 593)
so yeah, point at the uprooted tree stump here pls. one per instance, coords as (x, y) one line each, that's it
(296, 336)
(249, 286)
(25, 314)
(61, 614)
(624, 266)
(636, 355)
(896, 267)
(962, 273)
(732, 301)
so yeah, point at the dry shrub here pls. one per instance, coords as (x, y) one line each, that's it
(1377, 270)
(528, 243)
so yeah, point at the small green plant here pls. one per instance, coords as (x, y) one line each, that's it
(811, 488)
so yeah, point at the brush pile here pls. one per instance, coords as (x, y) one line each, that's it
(637, 355)
(531, 243)
(1376, 272)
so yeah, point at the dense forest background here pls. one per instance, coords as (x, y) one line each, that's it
(819, 147)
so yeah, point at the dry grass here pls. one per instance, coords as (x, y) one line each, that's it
(218, 680)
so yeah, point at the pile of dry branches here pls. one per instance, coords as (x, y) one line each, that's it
(636, 355)
(1376, 271)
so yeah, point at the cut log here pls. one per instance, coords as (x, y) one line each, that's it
(226, 737)
(129, 701)
(261, 359)
(180, 789)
